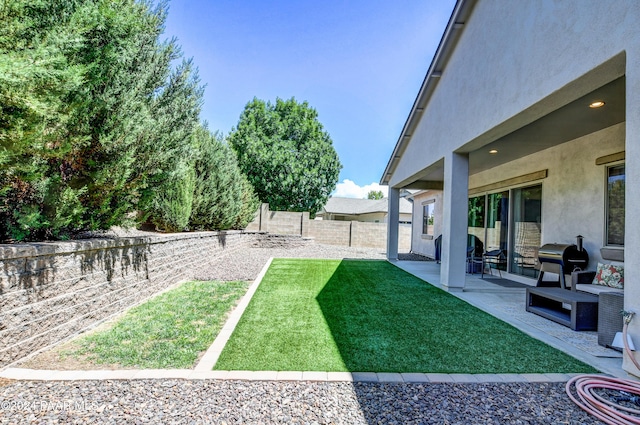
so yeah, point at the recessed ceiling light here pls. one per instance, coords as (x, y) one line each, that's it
(493, 151)
(596, 104)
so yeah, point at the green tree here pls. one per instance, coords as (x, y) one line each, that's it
(250, 204)
(36, 85)
(94, 118)
(286, 154)
(375, 194)
(172, 206)
(206, 192)
(222, 199)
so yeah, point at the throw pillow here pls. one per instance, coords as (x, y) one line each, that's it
(609, 275)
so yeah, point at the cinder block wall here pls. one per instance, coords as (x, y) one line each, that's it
(369, 235)
(330, 232)
(284, 223)
(50, 291)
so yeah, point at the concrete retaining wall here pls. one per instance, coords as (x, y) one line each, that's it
(51, 291)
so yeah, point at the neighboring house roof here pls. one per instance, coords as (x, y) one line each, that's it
(355, 206)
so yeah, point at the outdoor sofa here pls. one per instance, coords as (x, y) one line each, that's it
(610, 298)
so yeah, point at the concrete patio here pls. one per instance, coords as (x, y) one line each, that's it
(508, 304)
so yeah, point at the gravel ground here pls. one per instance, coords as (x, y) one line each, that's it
(411, 256)
(251, 402)
(247, 264)
(243, 402)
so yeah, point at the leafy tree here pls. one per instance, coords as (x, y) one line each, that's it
(93, 117)
(36, 83)
(375, 194)
(206, 192)
(286, 154)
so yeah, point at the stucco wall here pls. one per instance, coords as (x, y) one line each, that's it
(51, 291)
(573, 194)
(515, 64)
(421, 244)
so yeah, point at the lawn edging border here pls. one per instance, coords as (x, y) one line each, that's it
(203, 370)
(290, 376)
(210, 357)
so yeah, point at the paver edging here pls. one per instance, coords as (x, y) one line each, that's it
(204, 369)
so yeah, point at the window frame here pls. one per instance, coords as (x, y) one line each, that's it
(607, 210)
(428, 210)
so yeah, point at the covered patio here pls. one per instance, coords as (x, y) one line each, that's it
(505, 300)
(524, 133)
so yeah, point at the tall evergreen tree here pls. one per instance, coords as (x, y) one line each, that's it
(93, 119)
(222, 199)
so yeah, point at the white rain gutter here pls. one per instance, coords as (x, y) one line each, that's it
(459, 16)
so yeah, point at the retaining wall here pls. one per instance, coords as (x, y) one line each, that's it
(51, 291)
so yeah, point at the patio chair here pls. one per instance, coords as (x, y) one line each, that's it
(438, 246)
(496, 258)
(475, 249)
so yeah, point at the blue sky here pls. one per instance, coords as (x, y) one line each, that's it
(359, 63)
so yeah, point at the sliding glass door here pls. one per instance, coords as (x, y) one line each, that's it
(526, 230)
(497, 221)
(488, 221)
(517, 237)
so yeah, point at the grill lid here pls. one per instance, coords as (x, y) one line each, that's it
(563, 254)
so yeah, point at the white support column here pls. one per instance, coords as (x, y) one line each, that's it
(632, 202)
(393, 223)
(455, 221)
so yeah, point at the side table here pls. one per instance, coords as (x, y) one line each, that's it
(576, 310)
(610, 321)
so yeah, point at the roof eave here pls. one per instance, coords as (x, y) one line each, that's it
(452, 33)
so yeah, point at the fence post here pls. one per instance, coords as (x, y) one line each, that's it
(351, 232)
(264, 217)
(304, 224)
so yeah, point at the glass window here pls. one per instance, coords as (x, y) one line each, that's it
(615, 205)
(526, 230)
(476, 212)
(475, 223)
(497, 221)
(427, 218)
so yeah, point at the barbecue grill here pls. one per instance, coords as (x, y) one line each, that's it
(561, 259)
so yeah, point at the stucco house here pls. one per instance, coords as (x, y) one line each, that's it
(366, 210)
(527, 126)
(427, 221)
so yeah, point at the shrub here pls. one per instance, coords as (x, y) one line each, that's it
(94, 118)
(220, 193)
(172, 205)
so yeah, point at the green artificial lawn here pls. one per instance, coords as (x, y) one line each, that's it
(361, 315)
(168, 331)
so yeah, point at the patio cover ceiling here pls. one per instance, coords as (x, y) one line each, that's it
(567, 123)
